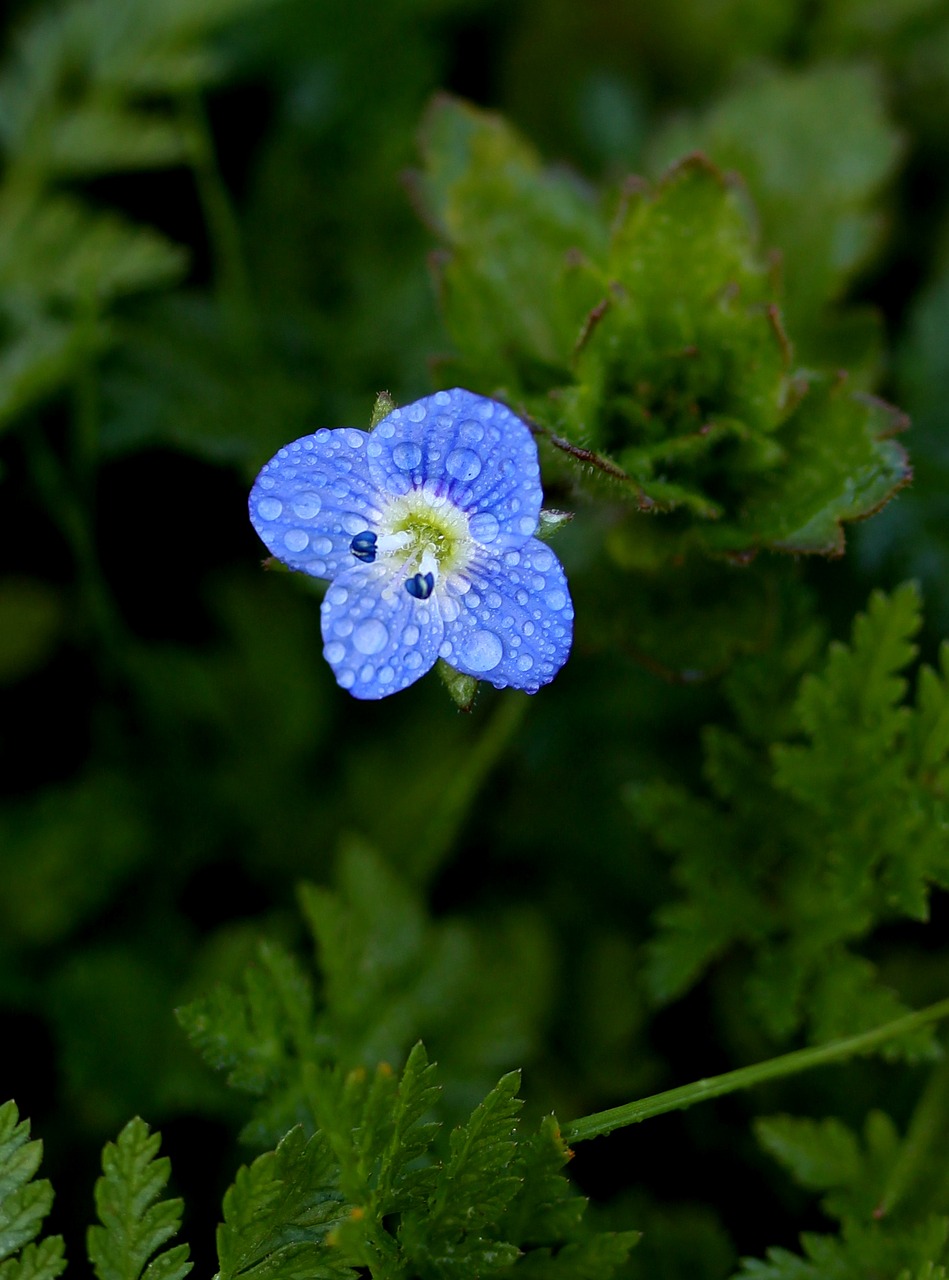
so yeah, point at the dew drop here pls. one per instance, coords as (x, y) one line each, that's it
(346, 679)
(413, 659)
(484, 527)
(334, 652)
(525, 662)
(481, 650)
(543, 559)
(397, 484)
(370, 636)
(463, 464)
(406, 455)
(410, 635)
(471, 432)
(527, 525)
(269, 508)
(337, 595)
(415, 412)
(295, 539)
(522, 597)
(307, 505)
(556, 599)
(386, 675)
(322, 545)
(343, 627)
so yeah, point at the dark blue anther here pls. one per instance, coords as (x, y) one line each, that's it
(363, 546)
(420, 585)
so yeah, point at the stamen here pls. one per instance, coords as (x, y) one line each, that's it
(390, 542)
(420, 585)
(363, 546)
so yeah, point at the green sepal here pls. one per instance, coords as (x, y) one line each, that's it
(384, 404)
(463, 689)
(551, 522)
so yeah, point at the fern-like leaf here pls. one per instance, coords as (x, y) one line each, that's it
(280, 1212)
(24, 1204)
(135, 1222)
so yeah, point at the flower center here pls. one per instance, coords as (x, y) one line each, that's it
(424, 534)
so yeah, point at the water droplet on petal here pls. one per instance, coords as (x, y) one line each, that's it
(527, 525)
(386, 675)
(481, 650)
(410, 635)
(525, 662)
(295, 539)
(335, 652)
(471, 432)
(346, 679)
(484, 526)
(322, 546)
(269, 508)
(307, 505)
(556, 599)
(463, 464)
(407, 455)
(370, 636)
(337, 595)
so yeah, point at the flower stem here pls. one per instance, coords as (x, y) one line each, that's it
(603, 1122)
(455, 800)
(230, 270)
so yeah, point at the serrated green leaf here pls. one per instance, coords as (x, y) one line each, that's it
(43, 1260)
(510, 282)
(841, 464)
(135, 1223)
(24, 1204)
(770, 130)
(279, 1214)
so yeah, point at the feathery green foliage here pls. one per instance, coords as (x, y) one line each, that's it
(24, 1204)
(827, 1156)
(135, 1223)
(852, 799)
(276, 1037)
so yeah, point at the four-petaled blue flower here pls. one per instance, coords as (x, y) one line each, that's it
(425, 527)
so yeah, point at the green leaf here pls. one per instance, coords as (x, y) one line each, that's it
(279, 1213)
(789, 857)
(770, 129)
(24, 1204)
(135, 1223)
(514, 233)
(841, 464)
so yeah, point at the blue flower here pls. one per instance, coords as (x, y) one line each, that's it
(425, 527)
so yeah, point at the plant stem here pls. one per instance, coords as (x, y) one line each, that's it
(602, 1122)
(452, 805)
(230, 270)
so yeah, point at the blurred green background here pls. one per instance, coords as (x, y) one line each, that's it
(207, 248)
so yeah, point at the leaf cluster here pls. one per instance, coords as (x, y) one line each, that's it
(87, 92)
(647, 345)
(860, 1178)
(801, 846)
(386, 975)
(366, 1193)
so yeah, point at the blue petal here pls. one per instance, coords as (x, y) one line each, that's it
(377, 638)
(513, 625)
(312, 497)
(471, 449)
